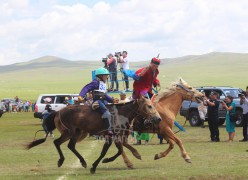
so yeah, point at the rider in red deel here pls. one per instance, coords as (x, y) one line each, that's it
(147, 79)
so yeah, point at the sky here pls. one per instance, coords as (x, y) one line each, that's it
(91, 29)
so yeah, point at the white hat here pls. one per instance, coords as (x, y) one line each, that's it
(75, 98)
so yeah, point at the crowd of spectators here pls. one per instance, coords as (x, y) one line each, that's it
(16, 105)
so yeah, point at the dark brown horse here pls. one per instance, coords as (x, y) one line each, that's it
(75, 122)
(168, 104)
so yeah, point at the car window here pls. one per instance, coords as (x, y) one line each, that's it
(61, 99)
(232, 92)
(44, 97)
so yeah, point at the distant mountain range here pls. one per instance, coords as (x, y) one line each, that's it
(54, 62)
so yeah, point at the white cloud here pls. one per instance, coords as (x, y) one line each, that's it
(142, 27)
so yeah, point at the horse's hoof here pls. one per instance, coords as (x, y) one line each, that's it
(139, 157)
(156, 157)
(84, 164)
(92, 170)
(188, 160)
(130, 167)
(60, 162)
(106, 160)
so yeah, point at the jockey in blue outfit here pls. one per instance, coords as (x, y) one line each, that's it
(100, 98)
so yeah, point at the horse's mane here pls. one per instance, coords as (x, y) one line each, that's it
(171, 89)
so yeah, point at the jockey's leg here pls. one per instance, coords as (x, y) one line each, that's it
(106, 116)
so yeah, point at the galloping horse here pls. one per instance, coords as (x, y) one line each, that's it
(75, 122)
(168, 104)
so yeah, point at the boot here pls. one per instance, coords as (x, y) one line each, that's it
(107, 126)
(107, 122)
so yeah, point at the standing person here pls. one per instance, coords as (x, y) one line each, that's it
(124, 66)
(10, 106)
(112, 66)
(100, 97)
(147, 78)
(26, 106)
(70, 101)
(123, 97)
(244, 104)
(47, 111)
(230, 109)
(213, 117)
(202, 109)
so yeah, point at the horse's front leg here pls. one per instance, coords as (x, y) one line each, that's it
(72, 145)
(166, 152)
(120, 150)
(103, 153)
(182, 149)
(133, 150)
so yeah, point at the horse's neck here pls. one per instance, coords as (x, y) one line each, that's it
(172, 103)
(128, 111)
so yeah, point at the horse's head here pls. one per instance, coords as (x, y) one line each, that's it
(188, 92)
(147, 110)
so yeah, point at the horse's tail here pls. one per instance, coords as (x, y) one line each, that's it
(49, 126)
(35, 142)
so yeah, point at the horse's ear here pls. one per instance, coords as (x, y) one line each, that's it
(153, 98)
(142, 96)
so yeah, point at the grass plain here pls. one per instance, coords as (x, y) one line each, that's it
(221, 160)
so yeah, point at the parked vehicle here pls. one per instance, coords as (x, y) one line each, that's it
(57, 103)
(190, 109)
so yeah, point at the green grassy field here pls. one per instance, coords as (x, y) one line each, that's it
(209, 160)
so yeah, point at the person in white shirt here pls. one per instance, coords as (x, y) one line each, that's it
(123, 97)
(124, 65)
(244, 104)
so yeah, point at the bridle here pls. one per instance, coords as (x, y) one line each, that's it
(139, 109)
(187, 91)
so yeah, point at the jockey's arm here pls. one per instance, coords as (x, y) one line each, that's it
(109, 99)
(89, 87)
(156, 83)
(142, 72)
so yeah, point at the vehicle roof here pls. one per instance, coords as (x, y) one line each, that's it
(57, 94)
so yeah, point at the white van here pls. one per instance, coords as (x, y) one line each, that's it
(57, 102)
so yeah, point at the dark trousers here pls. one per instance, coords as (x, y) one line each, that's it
(113, 78)
(126, 81)
(245, 119)
(213, 123)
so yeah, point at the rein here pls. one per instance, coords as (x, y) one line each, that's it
(136, 111)
(187, 90)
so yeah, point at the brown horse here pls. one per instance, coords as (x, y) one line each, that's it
(75, 122)
(168, 104)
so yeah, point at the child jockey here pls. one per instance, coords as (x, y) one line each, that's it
(100, 98)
